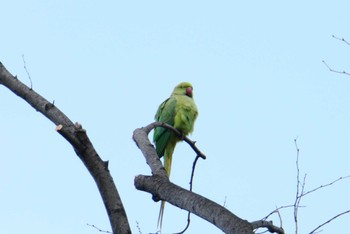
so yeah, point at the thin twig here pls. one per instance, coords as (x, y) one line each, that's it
(341, 39)
(191, 187)
(192, 174)
(224, 205)
(277, 210)
(332, 70)
(297, 197)
(100, 230)
(280, 217)
(187, 225)
(325, 185)
(301, 193)
(138, 227)
(300, 188)
(25, 68)
(330, 220)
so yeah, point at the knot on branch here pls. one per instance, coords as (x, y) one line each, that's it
(48, 106)
(156, 182)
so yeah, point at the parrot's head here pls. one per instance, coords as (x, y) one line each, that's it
(184, 88)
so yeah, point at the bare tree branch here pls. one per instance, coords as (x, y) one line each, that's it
(332, 70)
(341, 39)
(98, 229)
(277, 211)
(299, 186)
(162, 189)
(325, 185)
(191, 187)
(301, 194)
(330, 220)
(158, 184)
(269, 225)
(82, 145)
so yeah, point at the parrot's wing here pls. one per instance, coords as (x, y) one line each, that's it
(165, 114)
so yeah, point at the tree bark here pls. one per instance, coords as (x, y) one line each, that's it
(158, 184)
(82, 145)
(162, 189)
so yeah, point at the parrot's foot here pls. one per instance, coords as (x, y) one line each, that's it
(181, 136)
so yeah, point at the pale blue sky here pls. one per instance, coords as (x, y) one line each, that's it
(259, 83)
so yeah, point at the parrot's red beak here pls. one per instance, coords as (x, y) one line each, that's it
(189, 91)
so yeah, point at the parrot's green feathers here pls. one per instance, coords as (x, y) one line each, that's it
(179, 111)
(165, 114)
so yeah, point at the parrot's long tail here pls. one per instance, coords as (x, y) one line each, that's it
(168, 156)
(160, 217)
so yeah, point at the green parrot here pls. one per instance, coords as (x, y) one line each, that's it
(179, 111)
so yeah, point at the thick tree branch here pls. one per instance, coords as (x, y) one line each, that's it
(201, 206)
(162, 189)
(82, 145)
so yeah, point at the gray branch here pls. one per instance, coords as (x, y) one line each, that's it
(158, 184)
(162, 189)
(82, 145)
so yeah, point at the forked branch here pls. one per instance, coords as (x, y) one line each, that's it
(82, 145)
(334, 70)
(162, 189)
